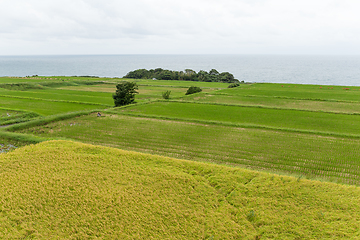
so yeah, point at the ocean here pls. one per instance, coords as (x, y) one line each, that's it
(302, 69)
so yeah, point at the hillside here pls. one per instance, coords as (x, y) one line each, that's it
(71, 190)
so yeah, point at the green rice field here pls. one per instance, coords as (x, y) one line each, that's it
(253, 116)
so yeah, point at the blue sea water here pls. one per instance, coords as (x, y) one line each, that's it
(303, 69)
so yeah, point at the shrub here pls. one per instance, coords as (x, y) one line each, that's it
(166, 95)
(234, 85)
(192, 90)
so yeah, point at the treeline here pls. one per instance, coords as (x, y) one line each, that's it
(188, 75)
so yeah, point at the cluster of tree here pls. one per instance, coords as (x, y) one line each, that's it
(188, 75)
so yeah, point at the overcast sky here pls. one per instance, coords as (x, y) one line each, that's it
(46, 27)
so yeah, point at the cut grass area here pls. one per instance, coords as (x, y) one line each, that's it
(326, 106)
(297, 91)
(45, 108)
(72, 190)
(330, 158)
(253, 116)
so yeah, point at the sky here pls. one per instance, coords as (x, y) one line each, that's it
(67, 27)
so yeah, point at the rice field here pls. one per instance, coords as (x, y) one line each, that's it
(71, 190)
(303, 130)
(275, 102)
(259, 159)
(306, 155)
(286, 119)
(297, 91)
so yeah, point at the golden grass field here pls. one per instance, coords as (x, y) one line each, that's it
(71, 190)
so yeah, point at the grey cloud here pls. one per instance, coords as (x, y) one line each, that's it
(235, 26)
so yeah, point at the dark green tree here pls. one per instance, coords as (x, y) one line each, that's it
(203, 76)
(125, 93)
(227, 77)
(214, 72)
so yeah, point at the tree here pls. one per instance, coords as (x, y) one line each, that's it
(214, 72)
(227, 77)
(192, 90)
(138, 74)
(125, 93)
(203, 76)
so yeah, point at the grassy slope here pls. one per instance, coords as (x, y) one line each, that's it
(54, 189)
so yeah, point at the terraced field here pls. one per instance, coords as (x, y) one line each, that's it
(302, 130)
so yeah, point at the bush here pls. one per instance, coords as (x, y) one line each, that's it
(166, 95)
(192, 90)
(125, 93)
(234, 85)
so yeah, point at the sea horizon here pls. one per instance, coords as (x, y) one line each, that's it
(275, 68)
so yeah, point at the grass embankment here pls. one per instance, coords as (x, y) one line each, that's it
(71, 190)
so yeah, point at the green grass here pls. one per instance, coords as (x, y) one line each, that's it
(253, 116)
(286, 103)
(146, 92)
(45, 108)
(310, 155)
(5, 113)
(10, 116)
(54, 190)
(62, 95)
(297, 91)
